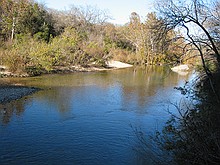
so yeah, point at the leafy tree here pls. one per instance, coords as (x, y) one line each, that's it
(135, 33)
(24, 17)
(36, 21)
(8, 13)
(152, 40)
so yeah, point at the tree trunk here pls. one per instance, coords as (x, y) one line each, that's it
(13, 29)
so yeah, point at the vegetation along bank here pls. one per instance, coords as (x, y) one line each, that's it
(36, 39)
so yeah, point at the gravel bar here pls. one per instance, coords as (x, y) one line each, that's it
(9, 93)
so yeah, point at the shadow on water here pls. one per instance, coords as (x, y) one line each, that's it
(14, 108)
(89, 116)
(192, 136)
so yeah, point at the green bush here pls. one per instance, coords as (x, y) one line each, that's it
(14, 56)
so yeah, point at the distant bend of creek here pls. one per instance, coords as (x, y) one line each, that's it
(89, 118)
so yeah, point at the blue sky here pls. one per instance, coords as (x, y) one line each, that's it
(118, 9)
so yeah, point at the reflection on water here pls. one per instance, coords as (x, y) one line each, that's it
(85, 118)
(7, 111)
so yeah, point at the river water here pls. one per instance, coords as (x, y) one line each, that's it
(89, 118)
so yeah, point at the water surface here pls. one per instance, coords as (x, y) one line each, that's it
(88, 118)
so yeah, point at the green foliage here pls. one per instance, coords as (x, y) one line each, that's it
(60, 51)
(33, 21)
(25, 17)
(96, 53)
(11, 59)
(123, 55)
(29, 54)
(117, 42)
(14, 57)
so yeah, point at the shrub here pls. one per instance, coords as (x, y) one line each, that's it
(123, 55)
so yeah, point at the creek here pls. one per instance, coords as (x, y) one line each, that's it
(89, 118)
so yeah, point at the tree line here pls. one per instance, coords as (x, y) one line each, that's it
(36, 39)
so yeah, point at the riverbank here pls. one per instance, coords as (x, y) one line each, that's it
(112, 64)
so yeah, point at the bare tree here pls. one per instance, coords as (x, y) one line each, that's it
(193, 16)
(192, 13)
(199, 19)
